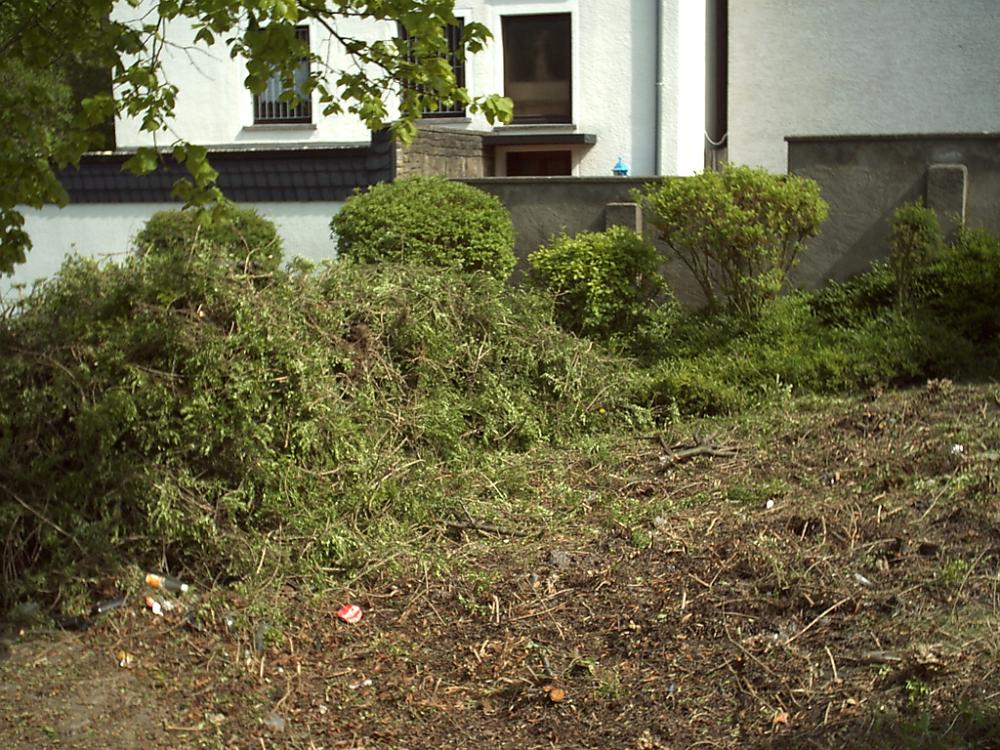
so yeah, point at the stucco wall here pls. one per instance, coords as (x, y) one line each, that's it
(814, 67)
(542, 207)
(106, 230)
(614, 84)
(865, 179)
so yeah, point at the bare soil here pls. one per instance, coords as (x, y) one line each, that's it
(834, 583)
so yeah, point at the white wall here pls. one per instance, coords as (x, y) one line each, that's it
(683, 89)
(815, 67)
(614, 84)
(105, 230)
(213, 105)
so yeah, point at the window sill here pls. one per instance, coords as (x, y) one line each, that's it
(279, 126)
(536, 127)
(443, 121)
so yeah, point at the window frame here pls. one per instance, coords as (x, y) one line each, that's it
(301, 113)
(559, 118)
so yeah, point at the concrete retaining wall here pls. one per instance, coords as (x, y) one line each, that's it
(542, 207)
(865, 178)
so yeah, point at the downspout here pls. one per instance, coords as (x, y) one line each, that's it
(658, 113)
(716, 83)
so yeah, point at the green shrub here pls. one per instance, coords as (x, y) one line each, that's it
(430, 221)
(856, 300)
(602, 282)
(244, 235)
(717, 364)
(914, 241)
(200, 420)
(963, 285)
(738, 231)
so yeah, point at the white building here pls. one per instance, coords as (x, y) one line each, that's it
(592, 81)
(603, 78)
(859, 67)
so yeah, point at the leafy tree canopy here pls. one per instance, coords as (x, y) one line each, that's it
(44, 126)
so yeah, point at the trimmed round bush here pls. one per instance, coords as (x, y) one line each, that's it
(602, 282)
(427, 221)
(241, 233)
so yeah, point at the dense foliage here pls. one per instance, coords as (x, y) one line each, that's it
(26, 145)
(242, 234)
(739, 231)
(602, 282)
(844, 337)
(130, 39)
(181, 415)
(913, 242)
(962, 286)
(427, 220)
(721, 364)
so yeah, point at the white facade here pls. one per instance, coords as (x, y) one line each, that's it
(105, 230)
(653, 119)
(858, 67)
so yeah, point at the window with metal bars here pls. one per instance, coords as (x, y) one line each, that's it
(453, 36)
(269, 107)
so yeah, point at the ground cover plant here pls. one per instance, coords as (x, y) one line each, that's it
(933, 312)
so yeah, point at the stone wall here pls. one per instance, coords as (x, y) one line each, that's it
(865, 178)
(444, 151)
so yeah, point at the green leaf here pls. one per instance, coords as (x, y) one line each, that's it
(144, 161)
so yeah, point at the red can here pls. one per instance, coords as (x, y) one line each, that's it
(350, 613)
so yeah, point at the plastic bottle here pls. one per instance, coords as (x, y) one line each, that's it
(108, 605)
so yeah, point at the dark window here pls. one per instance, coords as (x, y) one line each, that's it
(269, 107)
(536, 67)
(538, 163)
(453, 36)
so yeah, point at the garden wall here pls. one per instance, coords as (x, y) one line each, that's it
(865, 178)
(545, 206)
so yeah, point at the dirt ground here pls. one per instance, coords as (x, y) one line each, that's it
(828, 578)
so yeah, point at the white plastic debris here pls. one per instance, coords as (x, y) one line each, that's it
(769, 504)
(957, 449)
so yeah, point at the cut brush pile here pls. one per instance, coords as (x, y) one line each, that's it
(176, 412)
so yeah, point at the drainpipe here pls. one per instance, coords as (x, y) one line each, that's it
(716, 82)
(658, 94)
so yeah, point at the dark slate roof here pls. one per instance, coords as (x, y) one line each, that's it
(254, 174)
